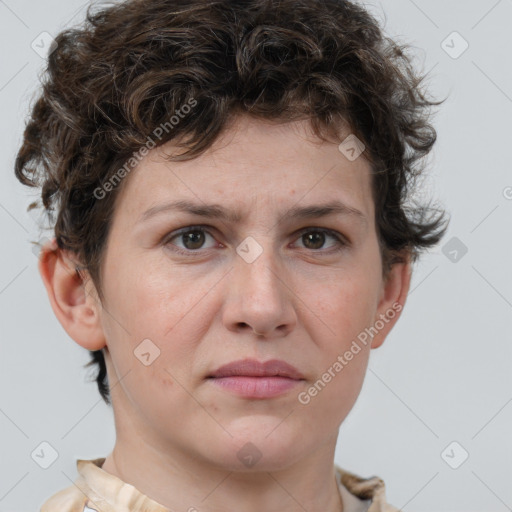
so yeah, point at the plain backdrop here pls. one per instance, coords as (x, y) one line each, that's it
(434, 416)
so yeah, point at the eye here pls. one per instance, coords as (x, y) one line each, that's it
(314, 238)
(192, 238)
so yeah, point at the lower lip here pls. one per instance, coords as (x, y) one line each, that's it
(256, 387)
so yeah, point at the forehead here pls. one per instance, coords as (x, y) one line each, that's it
(252, 164)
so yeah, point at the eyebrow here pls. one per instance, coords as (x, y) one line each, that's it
(217, 211)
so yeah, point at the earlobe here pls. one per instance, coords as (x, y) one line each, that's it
(76, 309)
(394, 294)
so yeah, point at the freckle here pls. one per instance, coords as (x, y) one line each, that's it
(292, 192)
(167, 381)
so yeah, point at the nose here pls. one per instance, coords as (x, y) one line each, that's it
(259, 298)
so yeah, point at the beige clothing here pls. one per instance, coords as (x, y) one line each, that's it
(98, 490)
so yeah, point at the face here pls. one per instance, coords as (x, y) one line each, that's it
(186, 293)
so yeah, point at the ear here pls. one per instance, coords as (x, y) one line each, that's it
(74, 301)
(394, 292)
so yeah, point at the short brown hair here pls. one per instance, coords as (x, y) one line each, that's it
(127, 69)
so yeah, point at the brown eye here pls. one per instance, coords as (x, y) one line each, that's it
(315, 239)
(191, 239)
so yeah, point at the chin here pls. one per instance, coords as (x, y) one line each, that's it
(262, 447)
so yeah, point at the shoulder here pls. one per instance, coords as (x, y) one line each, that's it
(372, 489)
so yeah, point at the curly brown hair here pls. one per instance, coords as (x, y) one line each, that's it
(129, 67)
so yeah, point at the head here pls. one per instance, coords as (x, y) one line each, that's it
(258, 108)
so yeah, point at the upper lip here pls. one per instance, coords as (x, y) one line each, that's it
(254, 368)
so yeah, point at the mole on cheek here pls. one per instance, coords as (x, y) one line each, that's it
(167, 380)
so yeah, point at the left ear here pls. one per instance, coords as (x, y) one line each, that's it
(393, 295)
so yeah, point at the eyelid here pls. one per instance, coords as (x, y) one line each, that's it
(331, 232)
(181, 231)
(341, 239)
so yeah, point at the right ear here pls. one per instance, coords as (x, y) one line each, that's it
(74, 301)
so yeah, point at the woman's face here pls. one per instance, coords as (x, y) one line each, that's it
(177, 307)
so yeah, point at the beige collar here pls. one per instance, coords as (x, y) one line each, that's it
(97, 490)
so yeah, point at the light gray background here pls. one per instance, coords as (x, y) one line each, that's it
(444, 373)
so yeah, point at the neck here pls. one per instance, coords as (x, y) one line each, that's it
(179, 481)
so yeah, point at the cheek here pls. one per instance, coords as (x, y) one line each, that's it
(155, 318)
(334, 392)
(148, 299)
(347, 305)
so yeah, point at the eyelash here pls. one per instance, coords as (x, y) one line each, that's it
(341, 241)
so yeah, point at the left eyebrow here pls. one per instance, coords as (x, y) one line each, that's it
(322, 210)
(220, 212)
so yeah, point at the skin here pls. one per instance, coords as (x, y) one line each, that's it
(178, 434)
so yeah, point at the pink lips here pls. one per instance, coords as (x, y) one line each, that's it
(252, 379)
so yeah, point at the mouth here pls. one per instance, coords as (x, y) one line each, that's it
(250, 378)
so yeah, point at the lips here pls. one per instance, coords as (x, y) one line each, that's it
(254, 368)
(253, 380)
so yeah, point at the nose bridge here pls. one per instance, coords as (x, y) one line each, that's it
(258, 267)
(261, 299)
